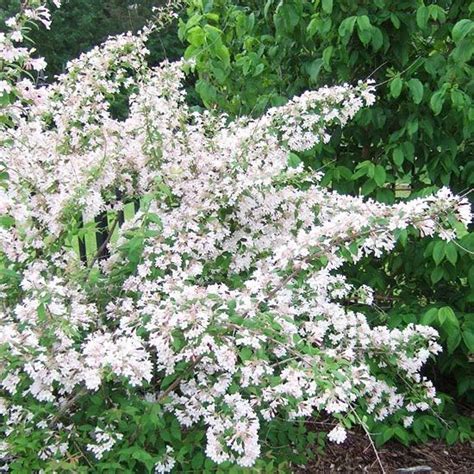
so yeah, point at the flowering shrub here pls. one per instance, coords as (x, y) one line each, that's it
(249, 54)
(15, 58)
(223, 307)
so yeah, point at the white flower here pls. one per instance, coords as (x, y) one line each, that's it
(407, 421)
(337, 435)
(38, 64)
(5, 87)
(167, 463)
(105, 441)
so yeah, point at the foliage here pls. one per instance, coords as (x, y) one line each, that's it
(417, 138)
(223, 310)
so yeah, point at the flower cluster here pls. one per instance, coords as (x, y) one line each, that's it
(16, 58)
(229, 280)
(104, 441)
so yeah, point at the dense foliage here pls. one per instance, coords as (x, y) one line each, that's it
(223, 309)
(417, 138)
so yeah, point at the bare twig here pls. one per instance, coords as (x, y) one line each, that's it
(175, 384)
(375, 70)
(371, 441)
(400, 73)
(104, 244)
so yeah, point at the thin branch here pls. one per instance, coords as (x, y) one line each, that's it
(470, 252)
(467, 192)
(371, 441)
(104, 244)
(399, 74)
(375, 70)
(175, 384)
(68, 403)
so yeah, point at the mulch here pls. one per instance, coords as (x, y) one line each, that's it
(356, 454)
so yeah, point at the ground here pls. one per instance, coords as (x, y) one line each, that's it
(357, 455)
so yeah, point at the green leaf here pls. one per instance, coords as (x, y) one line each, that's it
(398, 156)
(452, 321)
(429, 317)
(213, 34)
(408, 151)
(377, 38)
(293, 160)
(395, 21)
(363, 23)
(419, 429)
(198, 461)
(453, 340)
(327, 6)
(380, 175)
(437, 13)
(439, 251)
(143, 456)
(402, 435)
(416, 90)
(365, 36)
(347, 27)
(6, 221)
(422, 16)
(245, 353)
(368, 187)
(445, 313)
(364, 29)
(468, 338)
(386, 435)
(366, 168)
(457, 98)
(412, 126)
(396, 87)
(175, 430)
(313, 27)
(212, 16)
(207, 91)
(437, 101)
(327, 54)
(286, 17)
(451, 253)
(5, 99)
(222, 52)
(464, 51)
(451, 436)
(461, 29)
(196, 36)
(385, 195)
(437, 274)
(313, 68)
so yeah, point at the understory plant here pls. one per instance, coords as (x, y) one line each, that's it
(222, 315)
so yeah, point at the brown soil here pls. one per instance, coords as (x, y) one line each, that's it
(356, 454)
